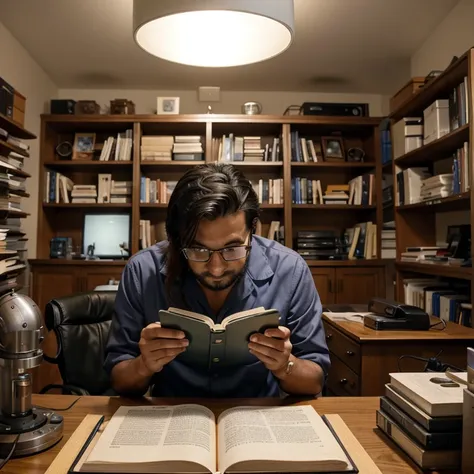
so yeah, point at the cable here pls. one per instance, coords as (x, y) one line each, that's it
(441, 321)
(59, 409)
(3, 462)
(411, 357)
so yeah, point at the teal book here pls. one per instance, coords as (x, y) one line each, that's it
(219, 345)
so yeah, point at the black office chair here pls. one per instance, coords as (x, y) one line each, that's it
(81, 323)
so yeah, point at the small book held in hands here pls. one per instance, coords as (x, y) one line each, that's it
(223, 344)
(188, 438)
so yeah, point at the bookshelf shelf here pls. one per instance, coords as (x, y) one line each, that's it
(170, 164)
(6, 148)
(263, 164)
(15, 128)
(64, 205)
(19, 173)
(448, 271)
(85, 164)
(13, 213)
(334, 207)
(333, 164)
(436, 150)
(458, 202)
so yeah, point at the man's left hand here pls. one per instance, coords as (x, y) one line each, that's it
(273, 348)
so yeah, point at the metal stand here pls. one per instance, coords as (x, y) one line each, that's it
(36, 432)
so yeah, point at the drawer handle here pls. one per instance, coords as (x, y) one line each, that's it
(343, 381)
(328, 337)
(349, 353)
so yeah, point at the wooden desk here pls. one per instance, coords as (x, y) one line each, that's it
(357, 413)
(362, 358)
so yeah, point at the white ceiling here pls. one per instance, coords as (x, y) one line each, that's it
(340, 46)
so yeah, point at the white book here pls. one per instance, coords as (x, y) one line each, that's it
(427, 392)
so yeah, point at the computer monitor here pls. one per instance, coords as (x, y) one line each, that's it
(107, 235)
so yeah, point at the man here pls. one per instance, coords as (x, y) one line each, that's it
(214, 265)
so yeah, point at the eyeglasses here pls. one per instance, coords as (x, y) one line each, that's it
(229, 254)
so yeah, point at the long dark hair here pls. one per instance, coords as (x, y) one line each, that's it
(206, 191)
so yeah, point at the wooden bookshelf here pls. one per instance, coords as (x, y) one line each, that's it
(18, 131)
(61, 219)
(417, 223)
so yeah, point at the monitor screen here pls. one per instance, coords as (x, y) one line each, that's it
(107, 235)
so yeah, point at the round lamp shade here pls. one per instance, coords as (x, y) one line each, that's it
(213, 33)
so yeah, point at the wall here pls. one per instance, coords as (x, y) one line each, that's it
(19, 69)
(273, 102)
(452, 37)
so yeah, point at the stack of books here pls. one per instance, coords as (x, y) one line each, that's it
(156, 148)
(188, 148)
(84, 194)
(422, 414)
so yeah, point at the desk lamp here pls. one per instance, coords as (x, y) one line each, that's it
(24, 429)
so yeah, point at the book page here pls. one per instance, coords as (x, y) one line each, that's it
(192, 315)
(261, 438)
(243, 314)
(147, 434)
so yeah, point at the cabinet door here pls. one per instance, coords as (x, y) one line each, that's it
(324, 279)
(94, 277)
(51, 282)
(358, 285)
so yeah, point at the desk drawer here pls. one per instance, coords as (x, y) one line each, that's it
(342, 380)
(343, 347)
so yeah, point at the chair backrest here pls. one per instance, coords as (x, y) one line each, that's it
(81, 323)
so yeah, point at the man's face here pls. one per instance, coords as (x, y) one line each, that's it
(224, 232)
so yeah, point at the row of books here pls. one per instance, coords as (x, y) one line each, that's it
(269, 191)
(424, 418)
(246, 148)
(61, 189)
(415, 185)
(169, 147)
(155, 190)
(359, 191)
(448, 300)
(305, 150)
(118, 148)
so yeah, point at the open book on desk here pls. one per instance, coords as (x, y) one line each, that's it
(188, 439)
(224, 344)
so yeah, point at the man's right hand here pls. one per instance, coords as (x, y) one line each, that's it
(158, 347)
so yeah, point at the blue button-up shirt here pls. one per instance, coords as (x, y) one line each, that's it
(276, 277)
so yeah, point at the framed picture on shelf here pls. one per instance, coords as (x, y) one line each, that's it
(83, 148)
(167, 106)
(333, 148)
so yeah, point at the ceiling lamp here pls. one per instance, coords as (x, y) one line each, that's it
(213, 33)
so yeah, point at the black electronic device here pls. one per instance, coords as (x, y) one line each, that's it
(59, 247)
(7, 93)
(335, 109)
(391, 315)
(63, 106)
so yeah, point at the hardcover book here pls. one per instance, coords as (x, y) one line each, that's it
(188, 438)
(225, 344)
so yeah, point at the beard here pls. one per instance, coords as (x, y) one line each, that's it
(228, 279)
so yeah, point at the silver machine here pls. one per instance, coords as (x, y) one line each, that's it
(24, 429)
